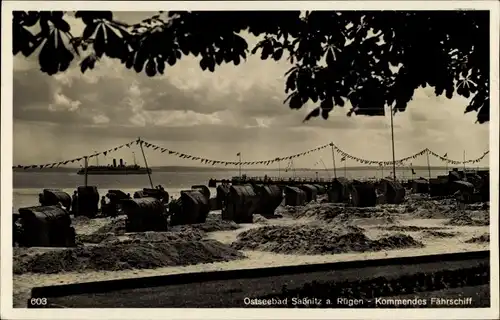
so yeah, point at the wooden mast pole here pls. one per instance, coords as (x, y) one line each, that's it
(86, 163)
(146, 163)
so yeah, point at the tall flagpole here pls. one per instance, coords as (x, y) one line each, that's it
(393, 151)
(345, 168)
(86, 163)
(239, 164)
(146, 163)
(465, 176)
(446, 162)
(334, 165)
(279, 168)
(428, 165)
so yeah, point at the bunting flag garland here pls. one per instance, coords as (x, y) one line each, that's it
(65, 162)
(344, 156)
(444, 159)
(226, 163)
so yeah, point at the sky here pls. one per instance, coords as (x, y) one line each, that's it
(215, 116)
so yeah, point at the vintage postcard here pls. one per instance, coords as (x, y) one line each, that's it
(250, 160)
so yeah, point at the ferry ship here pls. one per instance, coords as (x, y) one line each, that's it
(120, 169)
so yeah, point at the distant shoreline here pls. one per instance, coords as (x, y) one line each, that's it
(212, 169)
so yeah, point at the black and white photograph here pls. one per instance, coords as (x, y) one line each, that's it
(272, 156)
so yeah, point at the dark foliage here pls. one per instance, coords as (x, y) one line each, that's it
(337, 56)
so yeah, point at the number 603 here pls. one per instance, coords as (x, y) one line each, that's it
(38, 301)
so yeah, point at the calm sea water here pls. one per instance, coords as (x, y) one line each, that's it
(27, 185)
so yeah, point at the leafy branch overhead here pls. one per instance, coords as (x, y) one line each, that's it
(369, 58)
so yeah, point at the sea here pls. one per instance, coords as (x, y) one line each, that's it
(27, 185)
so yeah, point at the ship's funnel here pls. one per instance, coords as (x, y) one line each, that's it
(114, 162)
(121, 162)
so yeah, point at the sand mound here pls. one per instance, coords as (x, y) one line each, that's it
(444, 208)
(80, 219)
(464, 219)
(95, 238)
(317, 240)
(409, 228)
(419, 207)
(192, 235)
(430, 209)
(289, 210)
(338, 213)
(483, 206)
(397, 241)
(114, 226)
(322, 198)
(481, 239)
(114, 232)
(213, 223)
(84, 225)
(438, 234)
(391, 208)
(151, 236)
(126, 256)
(324, 211)
(257, 218)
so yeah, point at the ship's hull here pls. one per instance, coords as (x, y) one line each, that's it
(114, 172)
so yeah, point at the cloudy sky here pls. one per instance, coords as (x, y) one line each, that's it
(214, 115)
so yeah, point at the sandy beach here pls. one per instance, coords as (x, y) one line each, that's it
(418, 227)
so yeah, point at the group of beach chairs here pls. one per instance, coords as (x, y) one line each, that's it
(152, 209)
